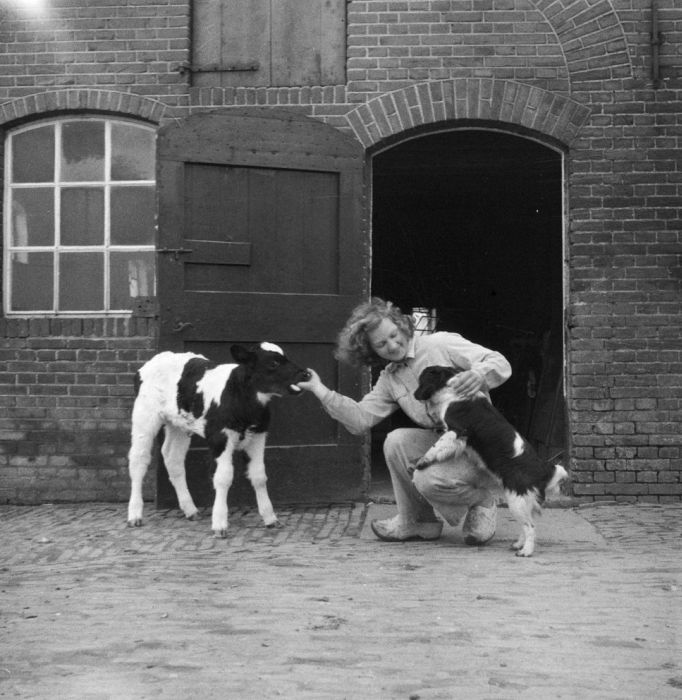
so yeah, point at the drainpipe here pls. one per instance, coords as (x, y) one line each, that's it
(656, 41)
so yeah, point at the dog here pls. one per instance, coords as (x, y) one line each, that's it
(476, 423)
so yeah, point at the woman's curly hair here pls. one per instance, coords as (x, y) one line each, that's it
(353, 346)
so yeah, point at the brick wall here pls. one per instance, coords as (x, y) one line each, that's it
(124, 45)
(394, 44)
(625, 296)
(574, 72)
(65, 397)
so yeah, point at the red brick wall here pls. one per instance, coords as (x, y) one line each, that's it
(577, 72)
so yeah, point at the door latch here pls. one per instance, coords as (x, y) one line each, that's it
(175, 252)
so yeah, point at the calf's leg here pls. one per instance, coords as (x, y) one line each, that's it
(222, 480)
(256, 473)
(174, 450)
(145, 428)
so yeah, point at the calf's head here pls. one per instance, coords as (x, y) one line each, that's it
(433, 379)
(268, 369)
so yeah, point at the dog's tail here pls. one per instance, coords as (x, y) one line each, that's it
(560, 474)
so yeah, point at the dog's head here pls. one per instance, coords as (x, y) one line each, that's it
(433, 379)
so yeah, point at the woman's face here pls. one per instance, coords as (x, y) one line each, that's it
(388, 341)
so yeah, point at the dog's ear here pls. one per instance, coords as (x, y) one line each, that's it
(423, 392)
(426, 385)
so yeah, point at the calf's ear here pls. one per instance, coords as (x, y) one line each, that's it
(241, 354)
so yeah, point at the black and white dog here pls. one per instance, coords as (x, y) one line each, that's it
(476, 423)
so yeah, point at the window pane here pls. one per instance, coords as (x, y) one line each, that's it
(132, 153)
(81, 281)
(82, 216)
(132, 275)
(33, 155)
(31, 282)
(32, 216)
(132, 216)
(83, 151)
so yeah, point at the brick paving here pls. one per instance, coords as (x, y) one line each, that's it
(90, 609)
(70, 533)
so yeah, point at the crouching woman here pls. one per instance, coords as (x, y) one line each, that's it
(377, 333)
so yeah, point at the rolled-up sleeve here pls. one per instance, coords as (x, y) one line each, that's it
(358, 416)
(492, 365)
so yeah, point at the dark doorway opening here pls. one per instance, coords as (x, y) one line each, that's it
(469, 223)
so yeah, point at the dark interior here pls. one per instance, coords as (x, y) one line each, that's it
(469, 223)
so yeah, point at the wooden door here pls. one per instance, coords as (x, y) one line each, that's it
(261, 238)
(259, 42)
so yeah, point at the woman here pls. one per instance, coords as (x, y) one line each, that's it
(377, 333)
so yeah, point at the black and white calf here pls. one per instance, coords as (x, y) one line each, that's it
(476, 423)
(227, 404)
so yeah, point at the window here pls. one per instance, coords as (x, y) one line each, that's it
(79, 217)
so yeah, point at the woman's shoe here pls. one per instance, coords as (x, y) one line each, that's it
(479, 525)
(394, 530)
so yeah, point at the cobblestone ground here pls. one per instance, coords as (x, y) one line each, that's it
(90, 609)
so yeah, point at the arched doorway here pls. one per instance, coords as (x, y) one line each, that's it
(469, 223)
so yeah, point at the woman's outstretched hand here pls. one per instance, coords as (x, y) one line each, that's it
(314, 384)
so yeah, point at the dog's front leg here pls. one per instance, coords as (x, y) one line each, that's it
(448, 445)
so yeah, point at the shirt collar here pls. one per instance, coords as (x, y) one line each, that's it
(395, 366)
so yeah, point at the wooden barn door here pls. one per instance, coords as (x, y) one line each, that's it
(261, 239)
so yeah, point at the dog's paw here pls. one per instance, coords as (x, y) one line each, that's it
(423, 463)
(523, 547)
(449, 446)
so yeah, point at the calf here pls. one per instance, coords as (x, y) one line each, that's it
(474, 422)
(227, 404)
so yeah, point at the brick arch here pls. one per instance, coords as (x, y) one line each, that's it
(82, 99)
(503, 101)
(591, 36)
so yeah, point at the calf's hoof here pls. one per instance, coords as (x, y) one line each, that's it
(276, 524)
(135, 522)
(194, 516)
(220, 534)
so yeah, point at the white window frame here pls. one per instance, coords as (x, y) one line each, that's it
(106, 248)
